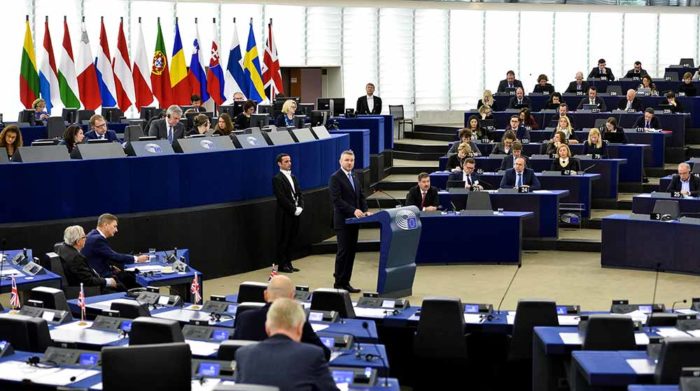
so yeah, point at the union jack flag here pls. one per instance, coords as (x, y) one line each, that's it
(273, 272)
(194, 289)
(14, 295)
(81, 302)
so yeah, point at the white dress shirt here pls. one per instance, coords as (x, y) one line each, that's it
(370, 103)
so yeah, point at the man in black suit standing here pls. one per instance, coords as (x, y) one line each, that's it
(348, 201)
(290, 204)
(423, 196)
(75, 264)
(250, 325)
(168, 128)
(630, 102)
(369, 104)
(601, 72)
(510, 82)
(684, 183)
(593, 99)
(578, 86)
(281, 360)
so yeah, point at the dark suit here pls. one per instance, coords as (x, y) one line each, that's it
(109, 135)
(77, 269)
(575, 88)
(509, 161)
(415, 198)
(548, 88)
(281, 362)
(345, 201)
(589, 149)
(159, 129)
(500, 149)
(598, 101)
(618, 136)
(286, 223)
(250, 325)
(453, 161)
(636, 104)
(596, 74)
(503, 84)
(529, 179)
(688, 89)
(521, 133)
(100, 255)
(631, 74)
(242, 122)
(459, 176)
(513, 104)
(676, 186)
(574, 164)
(281, 121)
(362, 108)
(653, 124)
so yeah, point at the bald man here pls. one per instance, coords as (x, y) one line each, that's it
(684, 182)
(630, 102)
(250, 325)
(578, 86)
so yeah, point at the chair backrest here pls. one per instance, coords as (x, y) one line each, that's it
(396, 111)
(130, 310)
(609, 332)
(660, 319)
(51, 297)
(440, 331)
(243, 307)
(25, 333)
(338, 300)
(251, 292)
(133, 132)
(614, 90)
(55, 127)
(530, 313)
(599, 122)
(131, 367)
(227, 349)
(56, 265)
(676, 353)
(83, 116)
(687, 62)
(244, 387)
(667, 207)
(479, 200)
(147, 330)
(696, 169)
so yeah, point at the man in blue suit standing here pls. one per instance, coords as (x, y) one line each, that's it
(100, 255)
(281, 360)
(348, 201)
(99, 131)
(520, 177)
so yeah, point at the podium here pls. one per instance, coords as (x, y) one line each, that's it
(400, 233)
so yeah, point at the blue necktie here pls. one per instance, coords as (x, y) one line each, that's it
(170, 134)
(352, 182)
(519, 182)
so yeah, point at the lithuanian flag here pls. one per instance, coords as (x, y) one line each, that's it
(28, 76)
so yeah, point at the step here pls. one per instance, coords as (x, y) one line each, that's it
(421, 146)
(440, 128)
(433, 156)
(692, 136)
(432, 136)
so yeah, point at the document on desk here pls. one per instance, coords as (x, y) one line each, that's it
(202, 348)
(474, 318)
(335, 355)
(19, 371)
(510, 317)
(182, 315)
(638, 316)
(641, 366)
(670, 332)
(569, 320)
(371, 312)
(11, 272)
(74, 333)
(146, 268)
(570, 338)
(641, 339)
(318, 326)
(694, 333)
(209, 384)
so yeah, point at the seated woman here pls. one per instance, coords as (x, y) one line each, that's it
(286, 118)
(595, 145)
(614, 133)
(72, 136)
(557, 140)
(486, 100)
(527, 119)
(11, 139)
(485, 112)
(553, 102)
(454, 162)
(564, 126)
(201, 125)
(687, 87)
(543, 86)
(224, 126)
(647, 83)
(671, 100)
(40, 113)
(465, 136)
(473, 125)
(565, 161)
(243, 119)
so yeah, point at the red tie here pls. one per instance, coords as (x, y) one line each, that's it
(422, 202)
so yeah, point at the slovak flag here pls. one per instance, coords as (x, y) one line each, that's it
(215, 75)
(14, 296)
(194, 289)
(81, 302)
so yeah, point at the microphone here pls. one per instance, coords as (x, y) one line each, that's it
(587, 168)
(365, 326)
(3, 244)
(673, 306)
(653, 298)
(398, 204)
(498, 311)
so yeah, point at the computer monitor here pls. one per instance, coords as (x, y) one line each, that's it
(259, 120)
(27, 117)
(69, 115)
(319, 117)
(305, 109)
(189, 119)
(148, 112)
(232, 110)
(589, 107)
(132, 133)
(299, 121)
(112, 114)
(335, 105)
(264, 109)
(84, 116)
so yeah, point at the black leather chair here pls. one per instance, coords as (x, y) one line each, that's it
(660, 319)
(251, 292)
(243, 307)
(146, 330)
(25, 333)
(51, 297)
(609, 332)
(676, 353)
(227, 349)
(71, 291)
(326, 299)
(479, 200)
(131, 367)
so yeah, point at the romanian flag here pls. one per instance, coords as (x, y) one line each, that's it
(255, 89)
(178, 72)
(160, 76)
(28, 76)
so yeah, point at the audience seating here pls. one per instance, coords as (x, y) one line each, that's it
(609, 332)
(338, 300)
(126, 367)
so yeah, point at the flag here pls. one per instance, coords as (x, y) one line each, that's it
(215, 75)
(273, 272)
(142, 74)
(123, 79)
(67, 81)
(160, 76)
(14, 295)
(197, 76)
(178, 72)
(81, 302)
(105, 74)
(48, 75)
(272, 75)
(233, 78)
(194, 289)
(87, 74)
(28, 76)
(253, 86)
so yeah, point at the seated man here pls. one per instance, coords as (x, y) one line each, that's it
(593, 99)
(170, 127)
(465, 136)
(423, 196)
(637, 72)
(519, 176)
(281, 360)
(684, 182)
(98, 129)
(562, 112)
(510, 82)
(196, 102)
(648, 120)
(467, 175)
(509, 161)
(601, 72)
(75, 264)
(506, 144)
(578, 86)
(250, 324)
(516, 126)
(630, 102)
(100, 255)
(519, 100)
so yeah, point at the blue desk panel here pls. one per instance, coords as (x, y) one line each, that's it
(644, 204)
(608, 369)
(495, 238)
(388, 129)
(140, 184)
(359, 143)
(637, 387)
(27, 282)
(375, 126)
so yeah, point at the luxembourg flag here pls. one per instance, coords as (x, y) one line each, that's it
(234, 67)
(196, 74)
(215, 75)
(87, 75)
(48, 74)
(105, 74)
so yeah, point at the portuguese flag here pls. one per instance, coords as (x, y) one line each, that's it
(28, 76)
(160, 76)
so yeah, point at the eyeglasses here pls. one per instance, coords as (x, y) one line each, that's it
(103, 125)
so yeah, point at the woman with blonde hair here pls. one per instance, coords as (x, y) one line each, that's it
(564, 126)
(454, 162)
(286, 118)
(595, 145)
(564, 160)
(486, 100)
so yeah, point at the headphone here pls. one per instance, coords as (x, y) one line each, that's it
(369, 357)
(35, 361)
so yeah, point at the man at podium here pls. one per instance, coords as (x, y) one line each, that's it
(348, 201)
(423, 196)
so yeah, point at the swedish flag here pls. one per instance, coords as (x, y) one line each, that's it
(253, 86)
